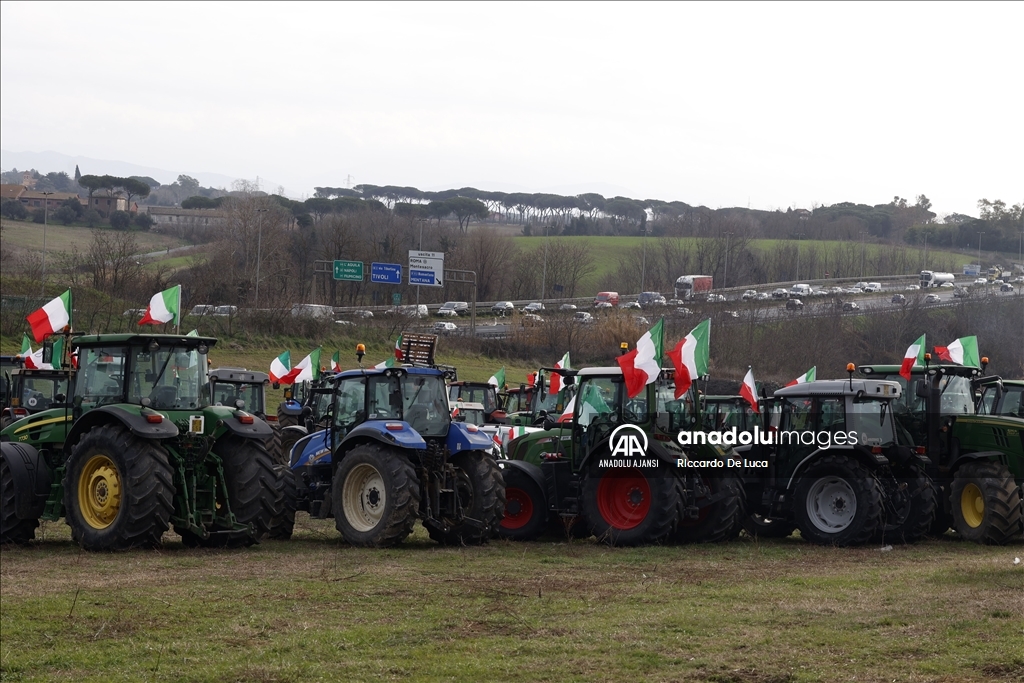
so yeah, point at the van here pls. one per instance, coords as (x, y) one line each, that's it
(313, 311)
(607, 297)
(797, 291)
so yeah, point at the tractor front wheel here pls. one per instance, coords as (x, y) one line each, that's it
(716, 521)
(838, 502)
(526, 511)
(625, 506)
(986, 503)
(283, 523)
(253, 489)
(481, 491)
(909, 510)
(376, 497)
(118, 490)
(12, 529)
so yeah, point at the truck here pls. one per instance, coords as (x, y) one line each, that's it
(799, 290)
(930, 278)
(689, 286)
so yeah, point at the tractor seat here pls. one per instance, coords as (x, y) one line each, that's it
(416, 416)
(163, 397)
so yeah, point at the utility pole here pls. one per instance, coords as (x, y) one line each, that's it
(862, 253)
(979, 254)
(725, 278)
(643, 266)
(544, 276)
(420, 221)
(259, 253)
(46, 207)
(925, 252)
(798, 236)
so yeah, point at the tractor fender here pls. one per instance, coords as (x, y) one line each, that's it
(257, 430)
(872, 462)
(963, 458)
(312, 449)
(134, 422)
(527, 468)
(464, 437)
(32, 478)
(375, 430)
(290, 408)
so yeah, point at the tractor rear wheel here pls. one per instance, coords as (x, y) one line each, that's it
(624, 506)
(253, 489)
(717, 521)
(274, 447)
(118, 490)
(283, 523)
(526, 511)
(481, 491)
(837, 501)
(767, 527)
(986, 503)
(12, 529)
(909, 510)
(375, 496)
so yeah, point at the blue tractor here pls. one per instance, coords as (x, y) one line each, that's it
(391, 454)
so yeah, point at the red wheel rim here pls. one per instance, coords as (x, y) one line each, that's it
(518, 509)
(623, 498)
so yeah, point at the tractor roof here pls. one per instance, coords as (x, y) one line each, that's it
(372, 372)
(872, 388)
(467, 383)
(238, 376)
(944, 368)
(139, 340)
(63, 373)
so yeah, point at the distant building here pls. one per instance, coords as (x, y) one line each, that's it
(52, 200)
(107, 204)
(169, 215)
(11, 191)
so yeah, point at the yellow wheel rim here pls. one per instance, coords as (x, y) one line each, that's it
(99, 492)
(972, 505)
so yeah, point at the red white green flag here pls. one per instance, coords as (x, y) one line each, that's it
(51, 318)
(498, 379)
(963, 351)
(642, 365)
(749, 391)
(555, 384)
(913, 357)
(389, 363)
(280, 368)
(336, 362)
(690, 357)
(163, 307)
(398, 349)
(308, 369)
(804, 378)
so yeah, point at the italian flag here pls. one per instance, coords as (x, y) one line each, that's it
(749, 391)
(804, 378)
(389, 363)
(336, 362)
(308, 369)
(280, 368)
(498, 379)
(32, 360)
(963, 351)
(398, 349)
(690, 357)
(913, 356)
(163, 307)
(642, 365)
(555, 384)
(51, 318)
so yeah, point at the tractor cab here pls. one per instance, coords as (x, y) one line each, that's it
(7, 365)
(478, 392)
(998, 396)
(533, 404)
(30, 391)
(241, 388)
(725, 412)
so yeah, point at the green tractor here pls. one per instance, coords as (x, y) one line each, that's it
(31, 391)
(531, 405)
(976, 459)
(138, 450)
(247, 390)
(997, 396)
(616, 471)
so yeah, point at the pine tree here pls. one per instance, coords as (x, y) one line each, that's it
(78, 174)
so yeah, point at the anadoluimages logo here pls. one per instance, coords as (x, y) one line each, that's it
(628, 441)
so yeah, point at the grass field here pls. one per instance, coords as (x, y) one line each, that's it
(315, 609)
(28, 235)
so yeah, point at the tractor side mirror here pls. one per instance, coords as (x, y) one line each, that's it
(921, 388)
(60, 398)
(306, 411)
(550, 423)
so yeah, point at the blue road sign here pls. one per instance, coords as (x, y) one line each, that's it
(387, 273)
(421, 277)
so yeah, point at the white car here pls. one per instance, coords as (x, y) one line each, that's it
(716, 298)
(780, 293)
(749, 294)
(861, 286)
(947, 285)
(981, 281)
(447, 313)
(362, 314)
(631, 304)
(503, 308)
(445, 328)
(932, 298)
(683, 311)
(567, 307)
(853, 290)
(582, 317)
(873, 287)
(602, 304)
(763, 296)
(913, 288)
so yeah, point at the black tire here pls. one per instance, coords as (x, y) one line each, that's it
(626, 507)
(526, 510)
(5, 421)
(837, 501)
(253, 489)
(12, 529)
(375, 497)
(128, 488)
(283, 523)
(986, 503)
(285, 442)
(943, 515)
(481, 490)
(274, 447)
(757, 526)
(909, 510)
(719, 521)
(284, 419)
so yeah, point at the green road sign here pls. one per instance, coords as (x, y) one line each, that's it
(348, 270)
(396, 298)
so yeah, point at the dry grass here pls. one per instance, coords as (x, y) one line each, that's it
(315, 609)
(29, 235)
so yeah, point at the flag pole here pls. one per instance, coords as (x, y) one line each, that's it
(177, 317)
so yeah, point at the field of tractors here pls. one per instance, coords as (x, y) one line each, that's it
(313, 608)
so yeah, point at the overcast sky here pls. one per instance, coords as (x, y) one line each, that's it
(766, 105)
